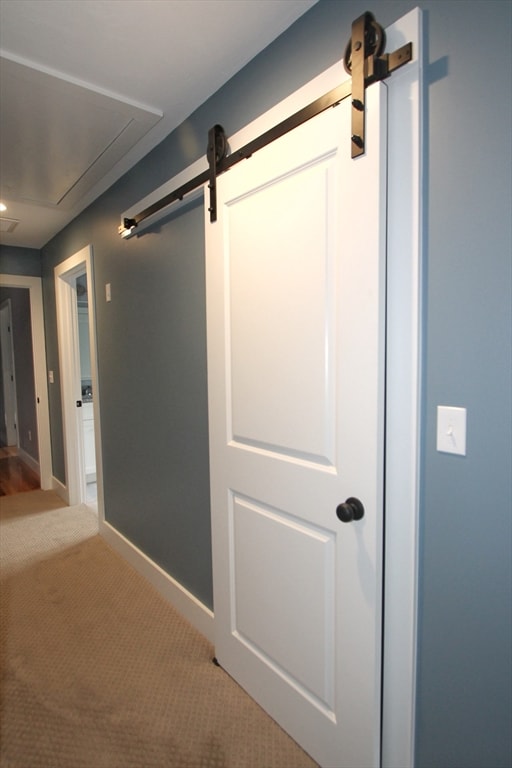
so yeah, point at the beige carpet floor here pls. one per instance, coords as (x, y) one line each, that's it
(98, 671)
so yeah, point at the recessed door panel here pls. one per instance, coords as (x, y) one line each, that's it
(272, 594)
(281, 321)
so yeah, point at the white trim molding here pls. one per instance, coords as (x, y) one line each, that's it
(405, 218)
(34, 286)
(69, 361)
(29, 460)
(171, 590)
(60, 489)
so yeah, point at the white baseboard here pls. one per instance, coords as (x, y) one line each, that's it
(171, 590)
(29, 461)
(60, 489)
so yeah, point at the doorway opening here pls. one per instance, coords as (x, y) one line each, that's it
(34, 440)
(89, 452)
(8, 427)
(77, 358)
(19, 458)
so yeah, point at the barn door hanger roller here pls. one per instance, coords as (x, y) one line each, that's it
(366, 63)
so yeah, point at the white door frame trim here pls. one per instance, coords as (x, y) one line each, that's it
(403, 341)
(69, 362)
(34, 286)
(403, 394)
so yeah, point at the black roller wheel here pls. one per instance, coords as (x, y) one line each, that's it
(375, 42)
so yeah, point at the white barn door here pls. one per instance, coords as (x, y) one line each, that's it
(296, 310)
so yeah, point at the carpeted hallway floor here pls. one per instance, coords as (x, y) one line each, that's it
(98, 671)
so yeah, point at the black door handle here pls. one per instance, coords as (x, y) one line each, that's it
(351, 509)
(78, 403)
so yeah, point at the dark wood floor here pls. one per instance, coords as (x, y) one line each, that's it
(15, 475)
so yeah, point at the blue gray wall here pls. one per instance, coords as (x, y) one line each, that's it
(20, 261)
(151, 343)
(465, 647)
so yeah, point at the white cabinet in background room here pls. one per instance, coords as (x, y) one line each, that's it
(89, 450)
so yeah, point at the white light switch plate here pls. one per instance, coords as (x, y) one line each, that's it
(451, 430)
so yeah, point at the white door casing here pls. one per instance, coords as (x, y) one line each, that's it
(296, 308)
(33, 284)
(69, 361)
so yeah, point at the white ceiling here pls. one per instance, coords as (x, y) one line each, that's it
(89, 87)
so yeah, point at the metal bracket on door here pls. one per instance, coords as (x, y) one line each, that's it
(364, 60)
(215, 152)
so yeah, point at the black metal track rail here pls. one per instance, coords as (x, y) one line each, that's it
(172, 197)
(330, 99)
(368, 68)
